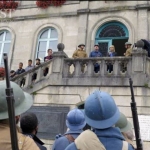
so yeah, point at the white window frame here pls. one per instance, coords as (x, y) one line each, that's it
(48, 39)
(2, 44)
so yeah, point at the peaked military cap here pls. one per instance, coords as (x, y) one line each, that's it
(81, 45)
(128, 43)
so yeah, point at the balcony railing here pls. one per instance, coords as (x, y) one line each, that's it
(33, 76)
(121, 66)
(68, 71)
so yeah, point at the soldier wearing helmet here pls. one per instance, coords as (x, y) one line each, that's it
(75, 122)
(101, 113)
(80, 53)
(23, 102)
(128, 49)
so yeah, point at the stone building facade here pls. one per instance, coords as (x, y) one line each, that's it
(29, 31)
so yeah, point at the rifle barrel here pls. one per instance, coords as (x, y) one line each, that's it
(10, 104)
(135, 118)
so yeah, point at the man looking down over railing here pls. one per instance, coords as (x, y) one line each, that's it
(80, 53)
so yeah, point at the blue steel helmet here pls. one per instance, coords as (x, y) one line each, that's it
(101, 111)
(75, 120)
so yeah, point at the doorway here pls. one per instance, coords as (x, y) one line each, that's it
(119, 46)
(104, 46)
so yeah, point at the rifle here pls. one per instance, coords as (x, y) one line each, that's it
(10, 105)
(135, 118)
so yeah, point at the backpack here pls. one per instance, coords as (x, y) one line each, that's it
(88, 140)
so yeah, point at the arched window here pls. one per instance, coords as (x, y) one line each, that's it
(5, 41)
(47, 39)
(112, 29)
(112, 33)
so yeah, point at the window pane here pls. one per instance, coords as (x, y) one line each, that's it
(0, 48)
(41, 55)
(1, 36)
(6, 48)
(8, 36)
(53, 45)
(41, 50)
(44, 35)
(42, 46)
(2, 62)
(54, 34)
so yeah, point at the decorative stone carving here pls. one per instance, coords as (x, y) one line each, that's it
(60, 47)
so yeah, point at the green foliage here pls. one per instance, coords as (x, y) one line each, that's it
(34, 93)
(146, 85)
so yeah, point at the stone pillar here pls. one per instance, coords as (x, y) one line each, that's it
(139, 64)
(58, 59)
(142, 22)
(83, 22)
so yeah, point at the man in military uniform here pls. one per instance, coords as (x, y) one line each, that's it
(126, 54)
(29, 127)
(129, 49)
(101, 113)
(75, 122)
(80, 53)
(23, 101)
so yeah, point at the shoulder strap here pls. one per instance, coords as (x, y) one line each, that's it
(70, 137)
(124, 145)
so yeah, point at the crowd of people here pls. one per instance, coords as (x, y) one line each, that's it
(79, 53)
(20, 70)
(99, 126)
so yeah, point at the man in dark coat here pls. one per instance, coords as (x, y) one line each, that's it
(96, 53)
(47, 58)
(29, 127)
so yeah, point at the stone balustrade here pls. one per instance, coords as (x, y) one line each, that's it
(69, 71)
(26, 79)
(121, 67)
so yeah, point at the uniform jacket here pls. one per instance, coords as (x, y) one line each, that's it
(95, 54)
(128, 52)
(87, 140)
(111, 138)
(79, 54)
(62, 142)
(24, 143)
(37, 141)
